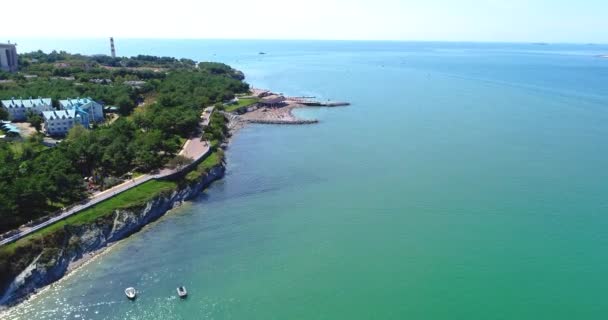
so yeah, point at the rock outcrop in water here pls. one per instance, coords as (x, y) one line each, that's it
(74, 242)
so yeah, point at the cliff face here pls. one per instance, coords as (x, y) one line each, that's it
(53, 263)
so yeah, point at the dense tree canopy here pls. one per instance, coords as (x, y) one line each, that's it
(38, 180)
(3, 114)
(34, 182)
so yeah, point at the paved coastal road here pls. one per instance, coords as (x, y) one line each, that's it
(194, 148)
(93, 200)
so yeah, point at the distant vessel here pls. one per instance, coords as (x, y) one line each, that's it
(181, 292)
(131, 293)
(262, 52)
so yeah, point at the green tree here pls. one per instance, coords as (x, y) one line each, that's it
(3, 114)
(35, 120)
(76, 133)
(125, 105)
(179, 161)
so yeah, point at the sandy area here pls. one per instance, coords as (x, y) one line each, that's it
(271, 114)
(88, 257)
(281, 115)
(25, 128)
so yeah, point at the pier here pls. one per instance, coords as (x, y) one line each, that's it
(276, 121)
(307, 101)
(325, 104)
(274, 108)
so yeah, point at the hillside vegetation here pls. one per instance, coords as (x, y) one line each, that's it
(37, 180)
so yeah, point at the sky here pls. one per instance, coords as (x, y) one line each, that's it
(581, 21)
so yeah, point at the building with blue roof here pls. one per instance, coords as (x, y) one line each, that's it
(19, 108)
(9, 129)
(88, 105)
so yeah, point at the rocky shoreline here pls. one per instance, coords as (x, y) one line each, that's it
(277, 115)
(82, 243)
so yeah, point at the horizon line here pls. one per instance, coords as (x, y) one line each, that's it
(321, 40)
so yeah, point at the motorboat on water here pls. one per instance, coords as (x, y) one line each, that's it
(131, 293)
(181, 292)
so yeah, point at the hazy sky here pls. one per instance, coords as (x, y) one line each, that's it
(452, 20)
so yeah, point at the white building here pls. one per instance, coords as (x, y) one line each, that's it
(8, 57)
(19, 108)
(58, 123)
(94, 109)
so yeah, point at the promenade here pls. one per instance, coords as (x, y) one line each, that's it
(194, 148)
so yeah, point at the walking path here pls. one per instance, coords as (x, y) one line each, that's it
(194, 148)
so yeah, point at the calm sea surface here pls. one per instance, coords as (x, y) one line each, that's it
(466, 181)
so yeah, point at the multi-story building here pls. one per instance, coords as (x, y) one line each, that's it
(8, 58)
(58, 123)
(94, 109)
(19, 108)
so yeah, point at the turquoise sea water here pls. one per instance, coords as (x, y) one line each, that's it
(466, 181)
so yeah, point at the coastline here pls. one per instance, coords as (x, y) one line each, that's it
(99, 238)
(235, 124)
(266, 115)
(280, 113)
(72, 269)
(77, 265)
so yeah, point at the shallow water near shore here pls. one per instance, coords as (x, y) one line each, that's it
(466, 181)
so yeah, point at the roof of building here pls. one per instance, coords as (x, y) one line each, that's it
(9, 127)
(135, 83)
(26, 103)
(272, 99)
(7, 45)
(100, 81)
(58, 114)
(71, 103)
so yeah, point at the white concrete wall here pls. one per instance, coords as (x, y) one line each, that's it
(58, 126)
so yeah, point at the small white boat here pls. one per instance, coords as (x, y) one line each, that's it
(181, 292)
(131, 293)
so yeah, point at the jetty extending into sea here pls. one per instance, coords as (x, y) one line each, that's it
(296, 121)
(274, 108)
(316, 103)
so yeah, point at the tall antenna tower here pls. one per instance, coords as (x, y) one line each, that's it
(112, 47)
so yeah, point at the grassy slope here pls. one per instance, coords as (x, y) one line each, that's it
(242, 103)
(211, 161)
(130, 198)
